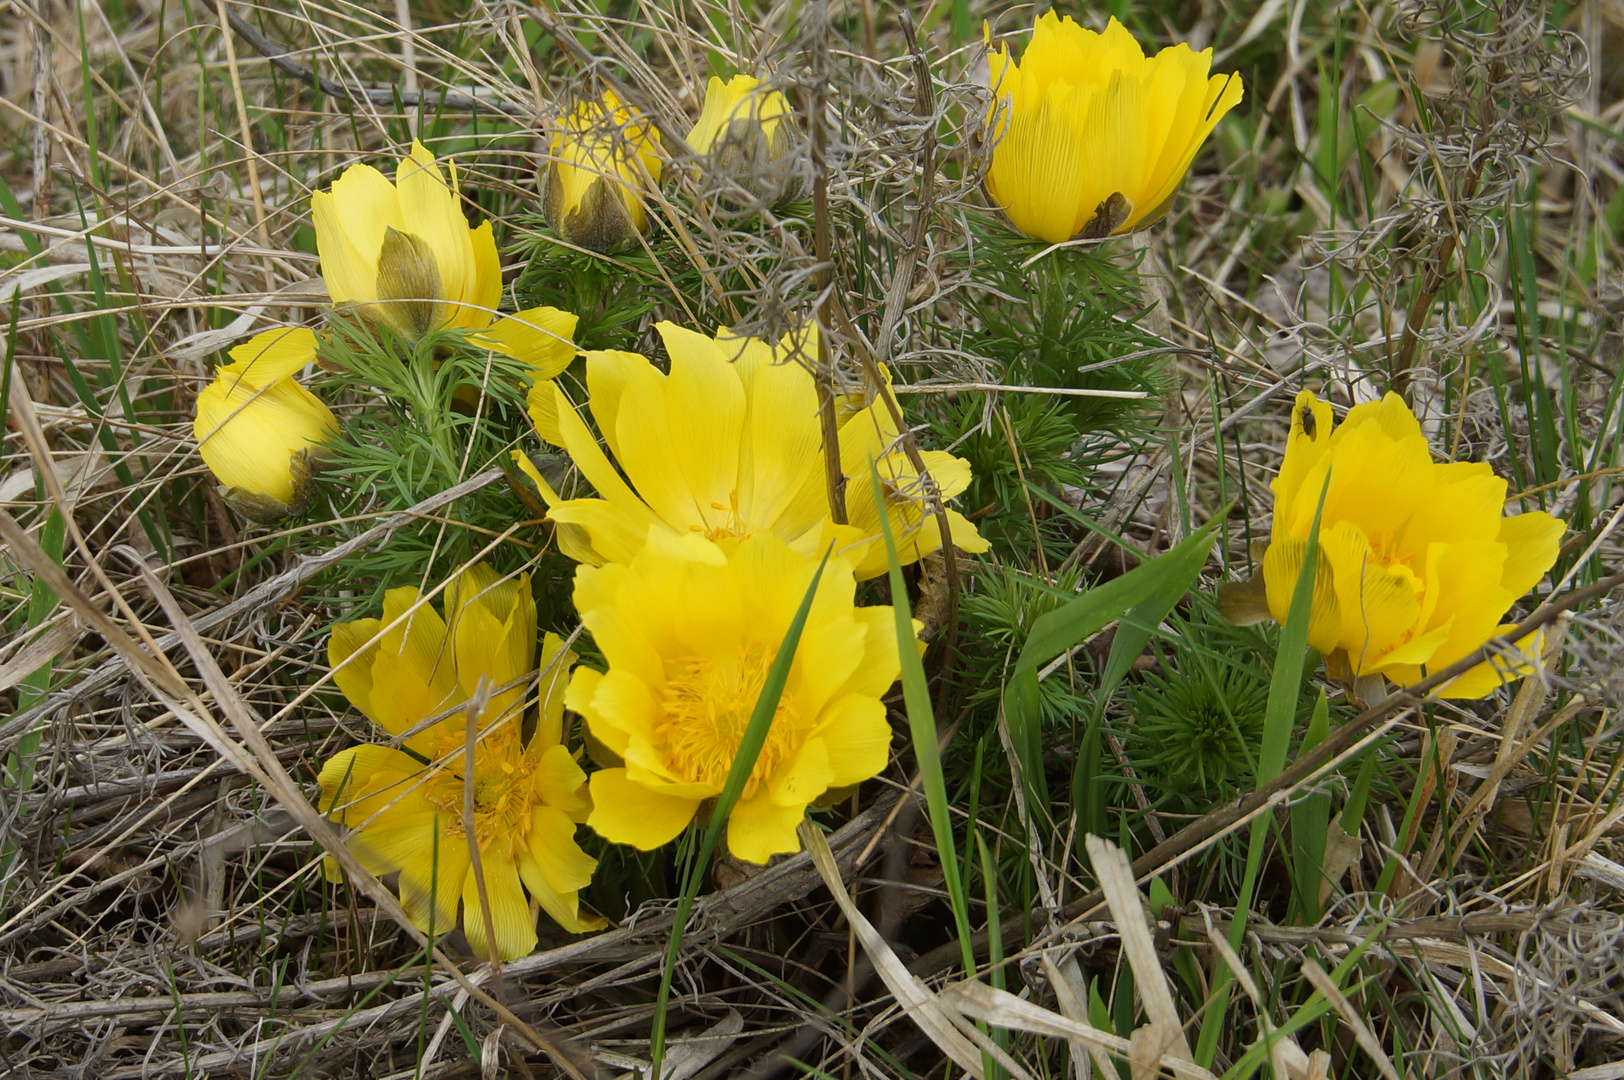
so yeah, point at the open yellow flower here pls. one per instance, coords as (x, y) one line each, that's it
(746, 131)
(1417, 562)
(726, 446)
(403, 253)
(259, 431)
(406, 806)
(1091, 136)
(601, 164)
(689, 629)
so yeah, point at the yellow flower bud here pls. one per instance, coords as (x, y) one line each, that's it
(403, 253)
(746, 133)
(602, 162)
(260, 432)
(1091, 137)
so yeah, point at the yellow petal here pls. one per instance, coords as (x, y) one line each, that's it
(350, 224)
(1378, 602)
(705, 407)
(353, 674)
(628, 813)
(272, 354)
(760, 828)
(554, 666)
(1282, 564)
(432, 213)
(830, 652)
(856, 726)
(431, 879)
(539, 336)
(484, 293)
(1041, 172)
(562, 907)
(510, 913)
(723, 101)
(807, 776)
(351, 790)
(561, 783)
(1532, 541)
(1306, 446)
(249, 436)
(494, 631)
(1499, 670)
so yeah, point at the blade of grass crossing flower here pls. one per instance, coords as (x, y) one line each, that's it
(1284, 687)
(744, 762)
(922, 730)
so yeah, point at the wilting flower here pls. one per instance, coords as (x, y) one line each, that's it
(602, 162)
(726, 446)
(689, 629)
(1092, 137)
(403, 253)
(746, 132)
(259, 431)
(1417, 564)
(413, 676)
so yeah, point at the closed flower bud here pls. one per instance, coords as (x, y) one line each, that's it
(1091, 137)
(260, 432)
(403, 253)
(746, 134)
(602, 163)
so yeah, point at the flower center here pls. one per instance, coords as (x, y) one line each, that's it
(707, 707)
(732, 525)
(504, 794)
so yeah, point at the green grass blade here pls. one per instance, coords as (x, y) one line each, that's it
(1284, 688)
(922, 730)
(1310, 819)
(744, 761)
(1146, 593)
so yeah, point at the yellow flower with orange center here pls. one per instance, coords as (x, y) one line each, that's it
(729, 445)
(413, 675)
(1090, 136)
(689, 629)
(1417, 562)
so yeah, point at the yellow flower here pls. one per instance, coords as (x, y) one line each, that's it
(726, 446)
(405, 254)
(1092, 137)
(689, 629)
(601, 164)
(259, 431)
(1417, 563)
(871, 435)
(746, 132)
(405, 807)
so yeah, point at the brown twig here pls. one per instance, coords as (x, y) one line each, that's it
(834, 475)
